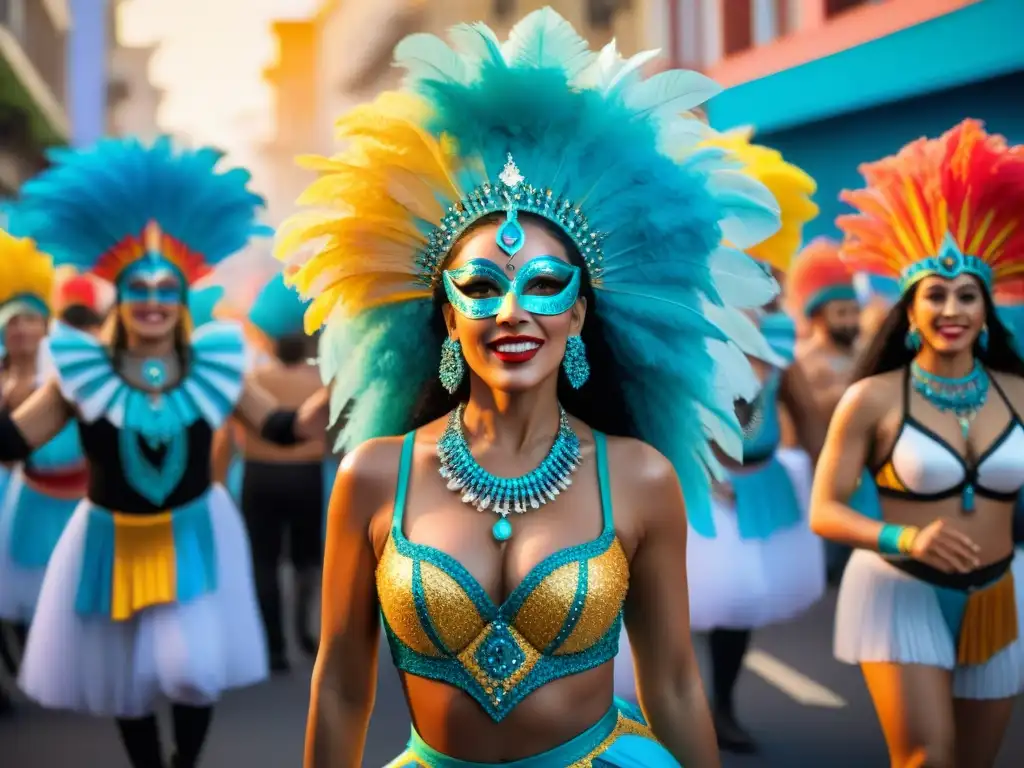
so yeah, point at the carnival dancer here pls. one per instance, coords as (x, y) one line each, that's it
(930, 602)
(283, 487)
(517, 276)
(43, 490)
(754, 560)
(149, 591)
(820, 291)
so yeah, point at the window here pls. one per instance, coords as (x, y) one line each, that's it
(836, 7)
(737, 27)
(601, 13)
(504, 8)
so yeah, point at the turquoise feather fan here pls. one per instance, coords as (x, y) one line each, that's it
(674, 220)
(277, 310)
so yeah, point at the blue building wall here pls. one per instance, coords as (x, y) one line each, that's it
(831, 150)
(87, 70)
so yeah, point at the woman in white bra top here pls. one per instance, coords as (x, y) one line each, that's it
(929, 603)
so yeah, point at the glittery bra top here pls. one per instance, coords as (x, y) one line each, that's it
(564, 618)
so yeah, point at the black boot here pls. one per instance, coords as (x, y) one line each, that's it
(306, 584)
(728, 647)
(191, 724)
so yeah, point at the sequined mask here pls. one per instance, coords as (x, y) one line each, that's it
(544, 286)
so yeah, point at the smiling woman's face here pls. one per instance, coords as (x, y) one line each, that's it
(507, 346)
(150, 301)
(949, 314)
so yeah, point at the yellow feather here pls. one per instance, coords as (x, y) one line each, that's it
(24, 270)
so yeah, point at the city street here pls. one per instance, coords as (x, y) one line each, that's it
(806, 709)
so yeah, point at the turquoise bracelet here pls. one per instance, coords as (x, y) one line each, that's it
(889, 539)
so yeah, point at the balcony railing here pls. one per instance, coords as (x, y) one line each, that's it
(29, 22)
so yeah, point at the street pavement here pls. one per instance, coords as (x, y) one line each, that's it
(806, 710)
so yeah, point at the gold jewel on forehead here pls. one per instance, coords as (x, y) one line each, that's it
(511, 237)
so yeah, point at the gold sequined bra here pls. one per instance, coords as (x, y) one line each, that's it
(563, 618)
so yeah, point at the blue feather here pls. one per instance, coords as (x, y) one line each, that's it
(202, 302)
(92, 199)
(278, 310)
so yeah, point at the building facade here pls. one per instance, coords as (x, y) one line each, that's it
(33, 89)
(834, 83)
(132, 101)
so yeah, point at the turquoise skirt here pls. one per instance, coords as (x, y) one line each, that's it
(620, 739)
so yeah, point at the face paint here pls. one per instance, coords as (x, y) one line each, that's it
(147, 281)
(544, 286)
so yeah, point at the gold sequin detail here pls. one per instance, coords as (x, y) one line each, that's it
(455, 618)
(394, 591)
(623, 727)
(607, 584)
(543, 614)
(489, 684)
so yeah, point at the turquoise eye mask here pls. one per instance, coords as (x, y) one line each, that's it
(486, 278)
(148, 281)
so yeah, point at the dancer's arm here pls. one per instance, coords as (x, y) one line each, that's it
(797, 395)
(847, 446)
(345, 674)
(258, 409)
(658, 612)
(34, 423)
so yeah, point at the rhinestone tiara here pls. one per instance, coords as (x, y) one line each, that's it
(512, 193)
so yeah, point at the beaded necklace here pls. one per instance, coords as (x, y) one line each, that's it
(503, 495)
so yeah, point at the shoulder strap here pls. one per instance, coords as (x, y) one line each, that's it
(404, 472)
(1002, 395)
(603, 480)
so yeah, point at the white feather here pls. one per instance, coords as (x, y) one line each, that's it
(751, 211)
(669, 93)
(740, 281)
(476, 40)
(629, 70)
(544, 40)
(428, 57)
(741, 331)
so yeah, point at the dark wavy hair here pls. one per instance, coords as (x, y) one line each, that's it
(600, 403)
(888, 349)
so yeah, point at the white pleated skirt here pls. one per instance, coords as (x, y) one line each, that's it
(187, 652)
(738, 583)
(886, 615)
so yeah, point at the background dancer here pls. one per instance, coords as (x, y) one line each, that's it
(820, 292)
(42, 491)
(283, 488)
(78, 303)
(470, 304)
(931, 602)
(753, 561)
(149, 591)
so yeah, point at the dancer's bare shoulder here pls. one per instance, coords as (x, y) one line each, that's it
(868, 402)
(645, 488)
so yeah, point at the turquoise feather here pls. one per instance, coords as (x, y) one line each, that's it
(202, 302)
(90, 199)
(278, 310)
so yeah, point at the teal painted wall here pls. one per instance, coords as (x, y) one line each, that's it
(831, 150)
(980, 42)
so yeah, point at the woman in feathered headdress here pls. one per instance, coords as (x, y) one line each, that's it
(930, 602)
(149, 591)
(516, 274)
(756, 562)
(43, 489)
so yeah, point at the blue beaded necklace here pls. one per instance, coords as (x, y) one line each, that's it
(962, 397)
(504, 495)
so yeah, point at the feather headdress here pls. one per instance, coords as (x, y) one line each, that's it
(277, 310)
(791, 187)
(202, 303)
(103, 208)
(943, 207)
(540, 124)
(817, 276)
(26, 277)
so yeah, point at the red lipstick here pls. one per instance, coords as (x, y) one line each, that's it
(515, 349)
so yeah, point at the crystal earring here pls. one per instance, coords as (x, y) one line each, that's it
(983, 338)
(577, 369)
(452, 367)
(913, 340)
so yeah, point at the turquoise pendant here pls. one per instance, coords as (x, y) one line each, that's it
(502, 530)
(510, 237)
